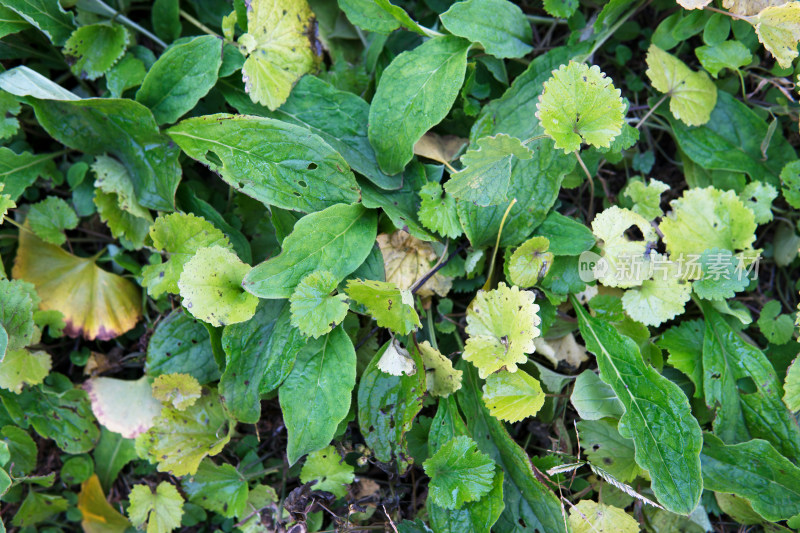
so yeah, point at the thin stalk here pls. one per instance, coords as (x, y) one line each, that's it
(591, 184)
(652, 109)
(536, 19)
(723, 12)
(199, 25)
(497, 245)
(101, 8)
(610, 31)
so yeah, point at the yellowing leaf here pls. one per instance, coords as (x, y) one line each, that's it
(123, 406)
(501, 325)
(406, 259)
(279, 49)
(96, 304)
(580, 104)
(749, 7)
(692, 94)
(624, 262)
(21, 367)
(441, 378)
(160, 510)
(778, 29)
(397, 361)
(211, 287)
(391, 307)
(180, 390)
(98, 515)
(441, 148)
(530, 262)
(512, 396)
(660, 298)
(591, 517)
(562, 349)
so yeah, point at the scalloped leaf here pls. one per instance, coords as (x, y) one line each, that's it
(92, 50)
(390, 306)
(661, 298)
(17, 306)
(646, 198)
(758, 197)
(624, 259)
(530, 262)
(778, 29)
(441, 378)
(49, 218)
(723, 275)
(437, 211)
(315, 310)
(330, 472)
(588, 516)
(178, 390)
(21, 367)
(580, 104)
(160, 511)
(116, 202)
(459, 473)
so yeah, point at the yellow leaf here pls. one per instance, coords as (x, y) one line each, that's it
(749, 7)
(98, 515)
(592, 517)
(407, 259)
(96, 304)
(778, 29)
(441, 148)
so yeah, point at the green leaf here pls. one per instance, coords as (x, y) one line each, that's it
(530, 262)
(260, 497)
(486, 174)
(111, 454)
(329, 471)
(179, 440)
(561, 8)
(790, 183)
(260, 353)
(791, 384)
(753, 470)
(657, 415)
(723, 275)
(607, 449)
(337, 239)
(128, 73)
(274, 162)
(580, 104)
(390, 306)
(459, 473)
(11, 22)
(646, 198)
(387, 406)
(315, 311)
(116, 202)
(22, 449)
(727, 54)
(440, 377)
(180, 235)
(20, 171)
(437, 211)
(161, 510)
(591, 517)
(9, 125)
(38, 507)
(402, 205)
(525, 497)
(593, 399)
(92, 50)
(684, 343)
(315, 397)
(47, 16)
(181, 77)
(740, 415)
(368, 15)
(778, 29)
(279, 50)
(692, 94)
(499, 26)
(50, 217)
(180, 344)
(501, 325)
(17, 304)
(566, 235)
(707, 218)
(21, 367)
(758, 197)
(179, 390)
(211, 287)
(415, 92)
(512, 396)
(661, 298)
(339, 117)
(166, 19)
(218, 488)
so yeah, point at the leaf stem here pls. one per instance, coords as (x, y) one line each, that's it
(610, 31)
(591, 184)
(545, 20)
(497, 245)
(723, 12)
(199, 25)
(101, 8)
(534, 138)
(652, 109)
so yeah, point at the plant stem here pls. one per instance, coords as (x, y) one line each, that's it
(199, 25)
(545, 20)
(591, 184)
(723, 12)
(497, 245)
(101, 8)
(650, 112)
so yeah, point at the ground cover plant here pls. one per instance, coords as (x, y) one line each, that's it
(424, 266)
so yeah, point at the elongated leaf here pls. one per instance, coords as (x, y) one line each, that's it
(753, 470)
(315, 397)
(337, 239)
(727, 358)
(180, 77)
(46, 15)
(274, 162)
(657, 415)
(529, 505)
(497, 25)
(260, 353)
(415, 93)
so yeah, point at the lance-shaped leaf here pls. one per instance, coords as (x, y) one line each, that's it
(692, 94)
(753, 470)
(315, 310)
(486, 173)
(594, 399)
(459, 473)
(274, 162)
(760, 414)
(337, 239)
(96, 304)
(49, 17)
(315, 397)
(21, 367)
(99, 516)
(416, 91)
(181, 77)
(791, 385)
(11, 22)
(160, 511)
(512, 396)
(211, 287)
(497, 25)
(657, 415)
(280, 46)
(260, 353)
(391, 307)
(591, 517)
(179, 440)
(180, 235)
(123, 406)
(119, 127)
(501, 324)
(778, 29)
(607, 449)
(92, 50)
(218, 488)
(328, 470)
(580, 104)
